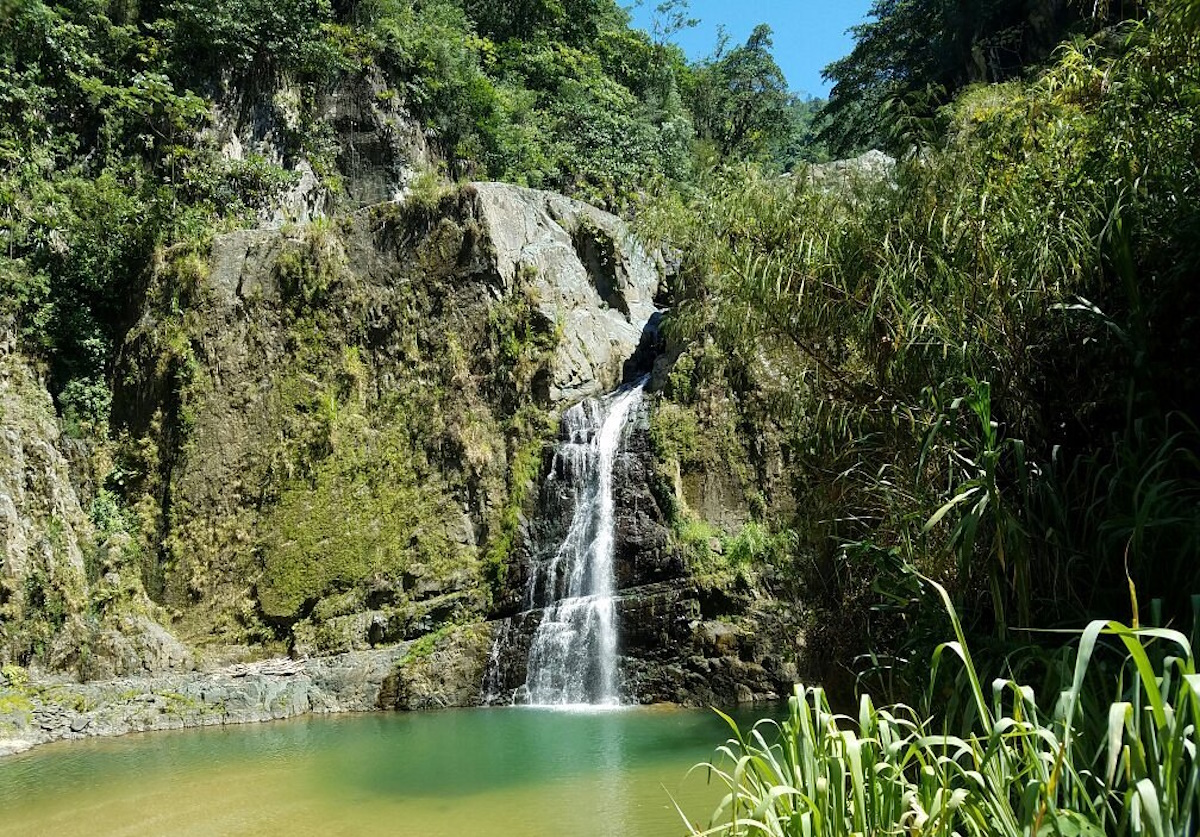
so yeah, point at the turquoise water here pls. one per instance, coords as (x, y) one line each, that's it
(496, 772)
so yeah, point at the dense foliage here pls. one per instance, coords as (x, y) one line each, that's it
(912, 56)
(983, 365)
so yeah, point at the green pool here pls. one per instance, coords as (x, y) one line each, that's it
(496, 772)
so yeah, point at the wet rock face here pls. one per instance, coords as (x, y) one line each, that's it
(682, 652)
(644, 549)
(673, 649)
(676, 640)
(381, 147)
(644, 553)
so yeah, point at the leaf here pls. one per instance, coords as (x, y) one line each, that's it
(1118, 715)
(1148, 794)
(944, 510)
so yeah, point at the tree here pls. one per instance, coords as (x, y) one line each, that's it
(251, 36)
(670, 18)
(912, 56)
(574, 22)
(801, 143)
(739, 99)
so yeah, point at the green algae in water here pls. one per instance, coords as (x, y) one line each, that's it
(493, 772)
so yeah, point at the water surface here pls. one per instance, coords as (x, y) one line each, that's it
(497, 772)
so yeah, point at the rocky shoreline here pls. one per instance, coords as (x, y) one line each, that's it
(700, 662)
(271, 690)
(397, 677)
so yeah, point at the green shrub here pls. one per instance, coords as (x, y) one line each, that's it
(755, 545)
(16, 676)
(253, 35)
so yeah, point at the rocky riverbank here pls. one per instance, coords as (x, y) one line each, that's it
(698, 662)
(34, 712)
(270, 690)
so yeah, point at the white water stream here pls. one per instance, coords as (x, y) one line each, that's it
(573, 656)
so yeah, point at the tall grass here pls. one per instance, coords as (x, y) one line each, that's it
(1114, 754)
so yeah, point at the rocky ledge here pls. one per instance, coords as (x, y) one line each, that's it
(443, 670)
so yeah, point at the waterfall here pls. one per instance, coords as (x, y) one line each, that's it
(573, 655)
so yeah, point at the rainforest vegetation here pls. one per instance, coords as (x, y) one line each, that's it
(103, 158)
(991, 381)
(983, 360)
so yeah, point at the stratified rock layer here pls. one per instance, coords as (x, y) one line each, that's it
(240, 694)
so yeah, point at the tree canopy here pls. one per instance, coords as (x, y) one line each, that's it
(912, 56)
(739, 98)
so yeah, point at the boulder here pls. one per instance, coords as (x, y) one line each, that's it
(441, 672)
(586, 272)
(132, 645)
(871, 166)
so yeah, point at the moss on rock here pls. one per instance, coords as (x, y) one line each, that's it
(352, 406)
(373, 511)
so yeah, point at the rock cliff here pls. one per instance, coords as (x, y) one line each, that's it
(334, 435)
(349, 415)
(329, 434)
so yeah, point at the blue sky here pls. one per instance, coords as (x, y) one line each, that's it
(808, 33)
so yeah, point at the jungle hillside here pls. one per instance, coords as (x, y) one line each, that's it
(285, 362)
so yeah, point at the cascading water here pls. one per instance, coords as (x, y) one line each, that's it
(573, 655)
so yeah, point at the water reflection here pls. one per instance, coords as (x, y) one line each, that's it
(499, 772)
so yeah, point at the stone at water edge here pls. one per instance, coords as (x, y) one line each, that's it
(13, 746)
